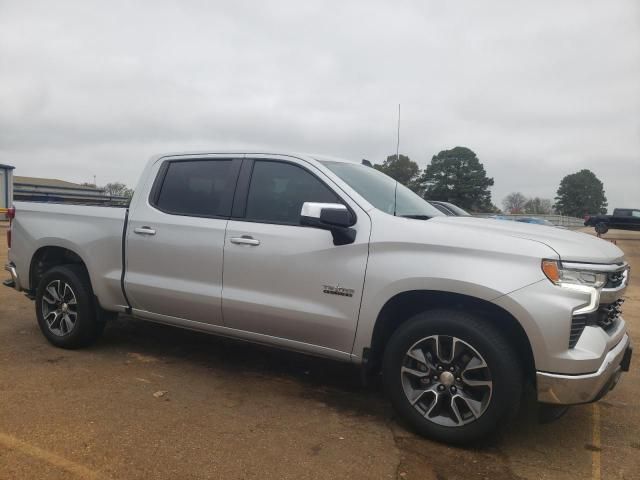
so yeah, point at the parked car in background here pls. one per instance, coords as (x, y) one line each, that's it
(539, 221)
(449, 209)
(335, 259)
(622, 219)
(534, 220)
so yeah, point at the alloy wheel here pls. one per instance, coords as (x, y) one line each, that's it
(446, 380)
(59, 308)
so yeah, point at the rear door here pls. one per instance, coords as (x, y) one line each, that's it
(285, 280)
(175, 239)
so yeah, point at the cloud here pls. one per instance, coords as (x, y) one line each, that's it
(537, 89)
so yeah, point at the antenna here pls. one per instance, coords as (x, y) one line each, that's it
(398, 142)
(395, 191)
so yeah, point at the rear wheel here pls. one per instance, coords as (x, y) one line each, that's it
(65, 308)
(452, 376)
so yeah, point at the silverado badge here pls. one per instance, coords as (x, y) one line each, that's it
(337, 290)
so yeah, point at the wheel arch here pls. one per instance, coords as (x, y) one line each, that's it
(401, 307)
(47, 257)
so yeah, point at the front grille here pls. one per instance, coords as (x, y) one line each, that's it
(606, 317)
(615, 279)
(578, 322)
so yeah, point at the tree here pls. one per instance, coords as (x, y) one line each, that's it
(401, 169)
(118, 189)
(457, 176)
(581, 193)
(538, 206)
(514, 202)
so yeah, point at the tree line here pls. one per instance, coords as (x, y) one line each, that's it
(458, 176)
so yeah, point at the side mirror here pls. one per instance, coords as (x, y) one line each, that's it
(334, 217)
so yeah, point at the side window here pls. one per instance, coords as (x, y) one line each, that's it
(199, 188)
(278, 190)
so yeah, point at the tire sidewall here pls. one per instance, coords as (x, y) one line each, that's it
(501, 360)
(602, 228)
(86, 320)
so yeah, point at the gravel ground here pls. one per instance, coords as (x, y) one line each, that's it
(151, 401)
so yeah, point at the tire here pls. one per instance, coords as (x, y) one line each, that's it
(63, 293)
(481, 409)
(602, 228)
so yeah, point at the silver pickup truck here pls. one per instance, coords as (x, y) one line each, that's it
(333, 258)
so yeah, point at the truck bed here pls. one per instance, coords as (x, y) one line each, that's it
(95, 233)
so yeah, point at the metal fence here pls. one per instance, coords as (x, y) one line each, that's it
(561, 220)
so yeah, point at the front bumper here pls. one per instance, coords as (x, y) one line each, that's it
(14, 281)
(575, 389)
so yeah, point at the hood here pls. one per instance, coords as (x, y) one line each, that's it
(569, 245)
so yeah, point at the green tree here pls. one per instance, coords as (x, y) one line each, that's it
(117, 189)
(401, 169)
(457, 176)
(581, 193)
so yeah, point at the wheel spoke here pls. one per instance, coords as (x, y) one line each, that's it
(53, 291)
(418, 354)
(48, 299)
(420, 394)
(436, 398)
(475, 364)
(456, 412)
(415, 373)
(457, 349)
(50, 321)
(474, 406)
(69, 297)
(477, 383)
(68, 323)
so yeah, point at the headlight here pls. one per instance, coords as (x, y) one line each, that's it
(564, 276)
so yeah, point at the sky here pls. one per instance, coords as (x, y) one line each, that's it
(538, 89)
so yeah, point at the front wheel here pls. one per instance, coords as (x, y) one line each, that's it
(65, 308)
(452, 376)
(601, 228)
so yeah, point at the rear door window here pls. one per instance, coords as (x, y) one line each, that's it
(200, 188)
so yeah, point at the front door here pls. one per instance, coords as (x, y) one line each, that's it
(175, 240)
(285, 280)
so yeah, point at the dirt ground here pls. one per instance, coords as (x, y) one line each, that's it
(155, 402)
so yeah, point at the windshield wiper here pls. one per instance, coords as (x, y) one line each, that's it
(416, 217)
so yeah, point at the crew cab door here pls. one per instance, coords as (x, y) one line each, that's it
(285, 280)
(175, 239)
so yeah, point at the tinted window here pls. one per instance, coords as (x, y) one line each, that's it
(278, 190)
(382, 191)
(198, 188)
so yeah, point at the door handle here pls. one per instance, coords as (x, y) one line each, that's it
(245, 240)
(144, 231)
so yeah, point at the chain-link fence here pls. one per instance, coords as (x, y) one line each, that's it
(560, 220)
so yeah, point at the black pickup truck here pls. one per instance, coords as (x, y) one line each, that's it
(622, 219)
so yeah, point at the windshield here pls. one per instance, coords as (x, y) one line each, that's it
(456, 209)
(382, 191)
